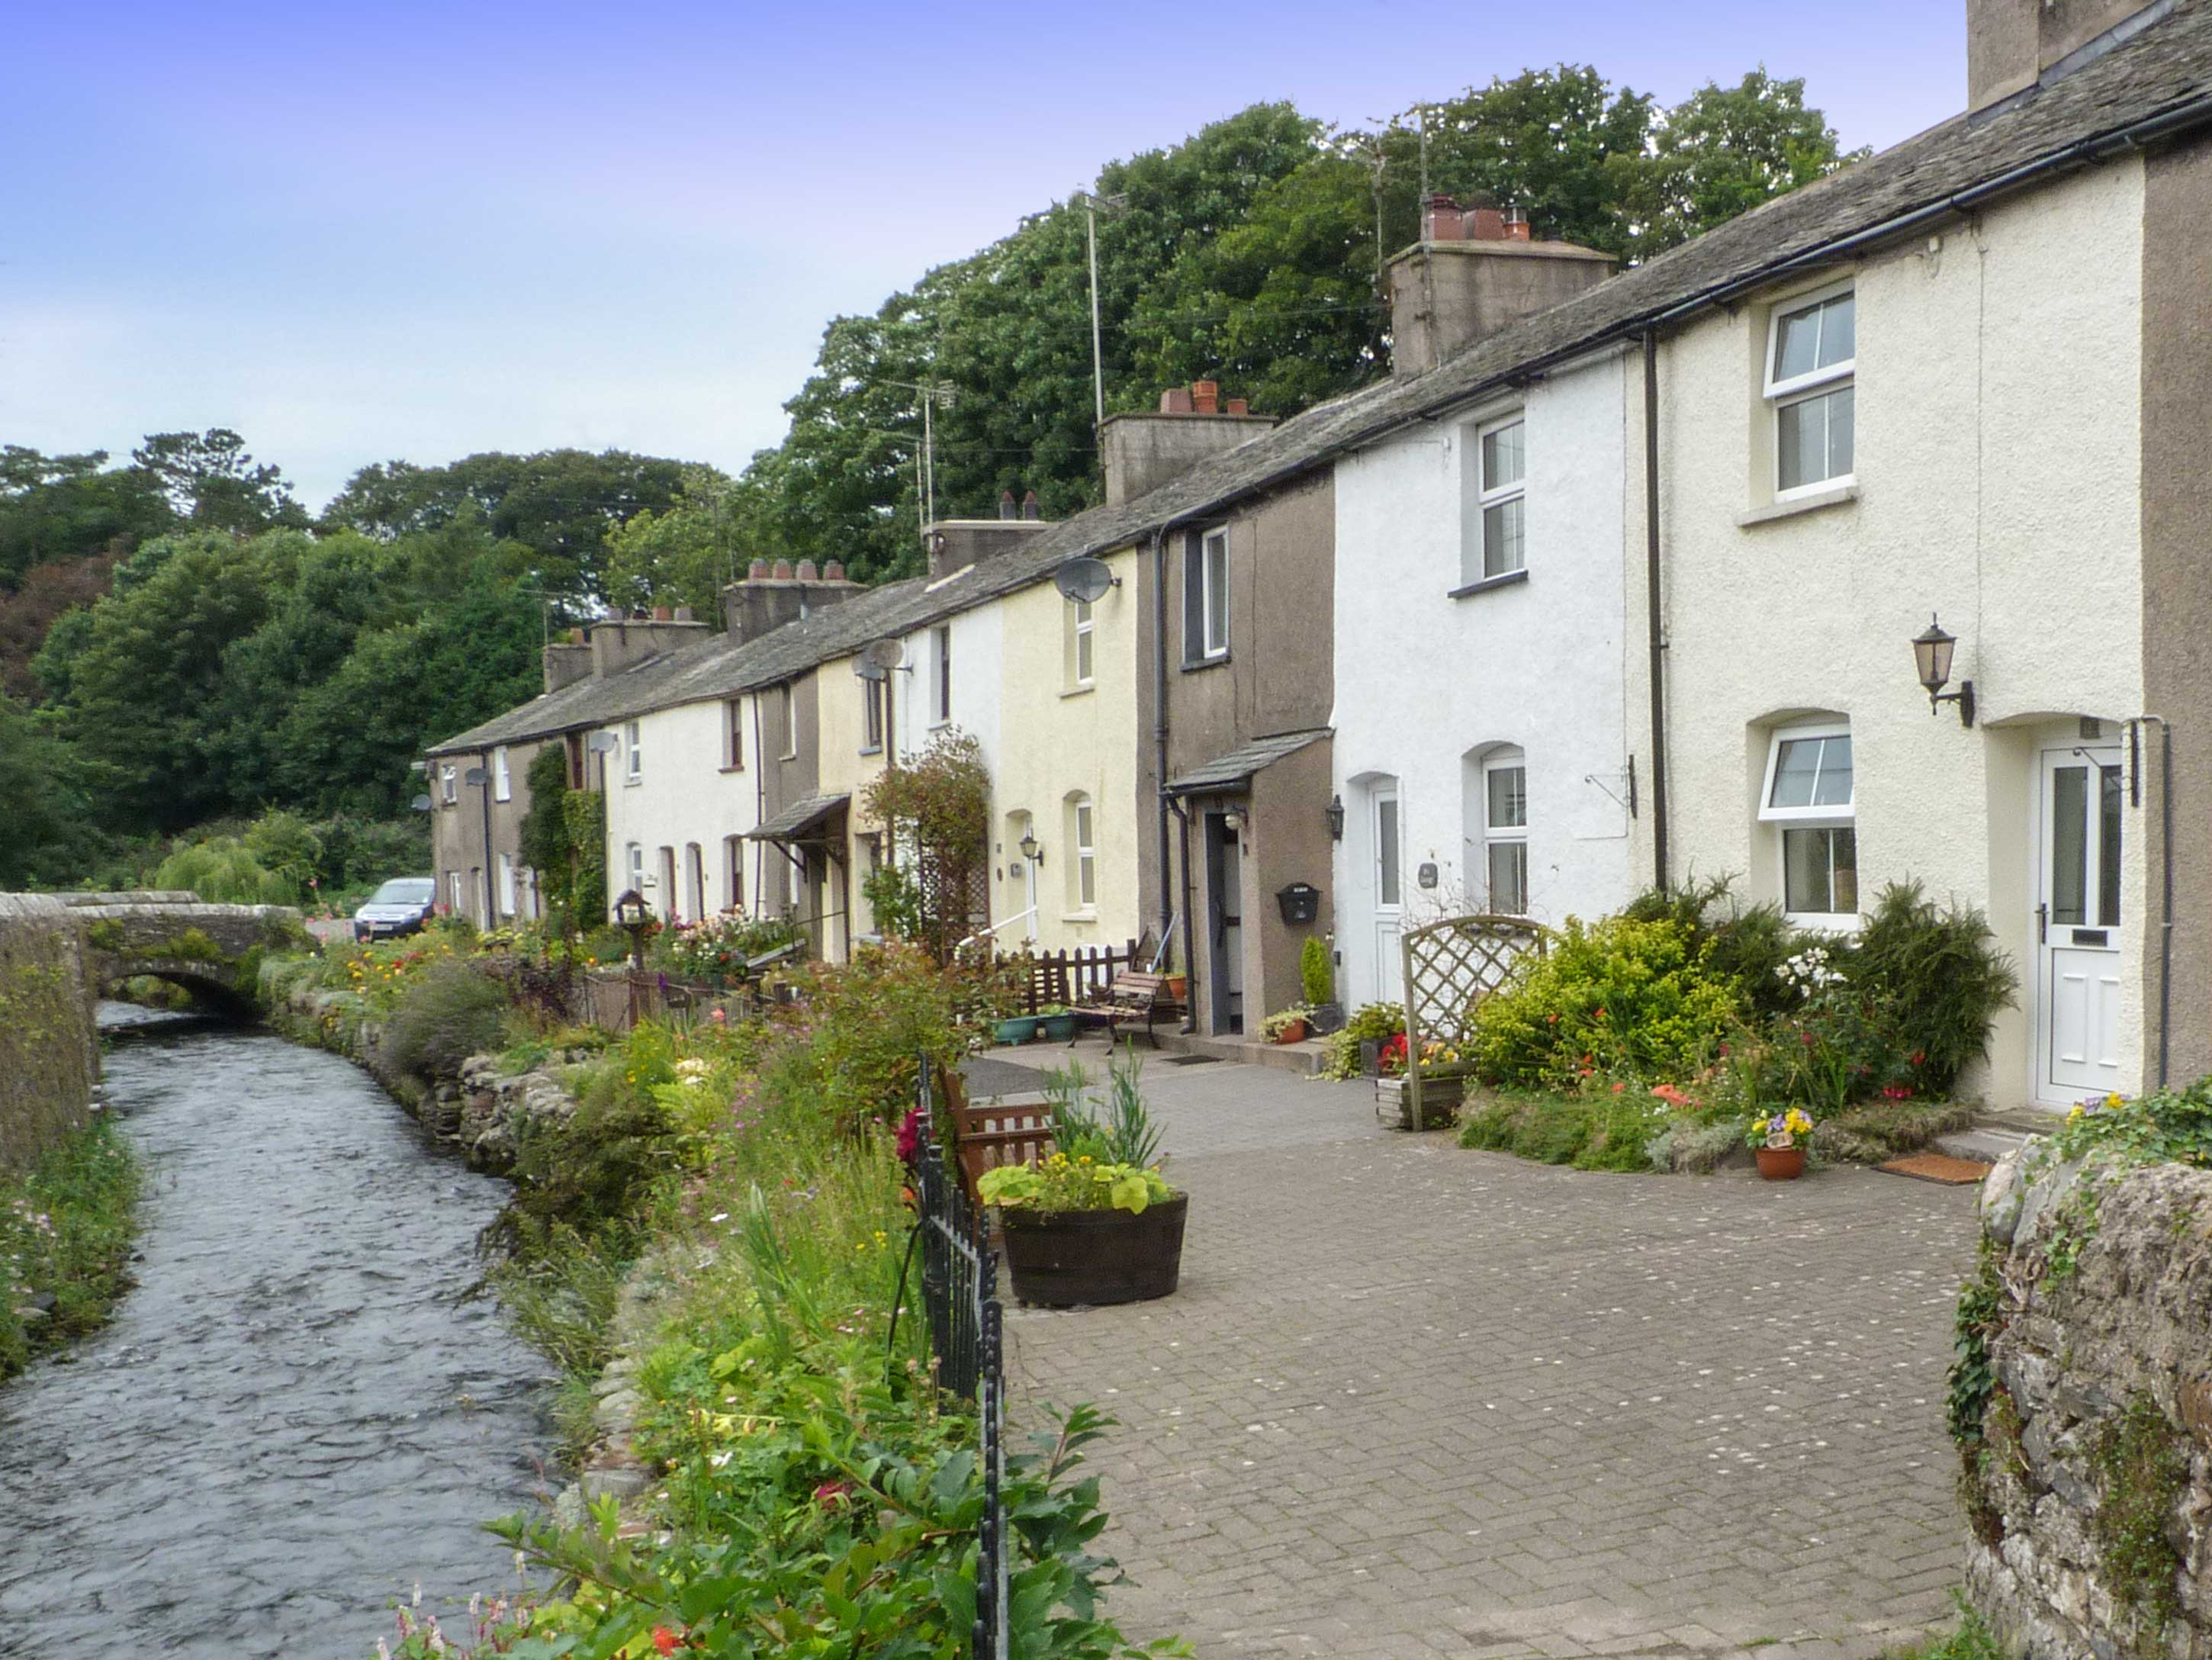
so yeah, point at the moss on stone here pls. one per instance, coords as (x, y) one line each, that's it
(2140, 1469)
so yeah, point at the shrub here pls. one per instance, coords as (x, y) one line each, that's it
(1939, 975)
(1317, 974)
(447, 1013)
(870, 1021)
(1370, 1022)
(722, 945)
(223, 871)
(1620, 997)
(1589, 1130)
(1745, 946)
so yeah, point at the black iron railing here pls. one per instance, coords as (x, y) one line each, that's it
(960, 1300)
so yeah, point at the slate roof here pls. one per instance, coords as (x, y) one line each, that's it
(1234, 769)
(799, 816)
(2163, 72)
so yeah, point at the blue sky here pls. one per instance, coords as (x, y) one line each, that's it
(357, 233)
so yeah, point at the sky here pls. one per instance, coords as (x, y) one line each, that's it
(359, 233)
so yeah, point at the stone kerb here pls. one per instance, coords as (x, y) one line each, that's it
(49, 1044)
(2090, 1492)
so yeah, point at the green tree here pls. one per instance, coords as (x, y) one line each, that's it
(211, 483)
(679, 557)
(1719, 153)
(51, 833)
(55, 509)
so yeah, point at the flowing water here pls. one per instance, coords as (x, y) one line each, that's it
(294, 1417)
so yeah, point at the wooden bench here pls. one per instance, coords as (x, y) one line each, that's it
(1133, 997)
(993, 1133)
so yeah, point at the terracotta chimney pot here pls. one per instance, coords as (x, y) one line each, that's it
(1207, 395)
(1030, 509)
(834, 571)
(1005, 504)
(757, 571)
(1441, 220)
(1239, 406)
(782, 570)
(684, 614)
(664, 613)
(1177, 400)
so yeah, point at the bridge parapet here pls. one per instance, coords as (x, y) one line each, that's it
(210, 949)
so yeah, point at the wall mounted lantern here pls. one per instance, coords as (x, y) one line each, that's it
(1335, 814)
(1030, 850)
(1234, 820)
(1931, 656)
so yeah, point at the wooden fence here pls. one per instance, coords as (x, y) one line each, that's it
(1072, 978)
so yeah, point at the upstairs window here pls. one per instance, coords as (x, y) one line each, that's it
(449, 781)
(1206, 598)
(942, 641)
(502, 778)
(1082, 625)
(1811, 352)
(1807, 798)
(634, 750)
(1496, 540)
(787, 719)
(871, 716)
(733, 734)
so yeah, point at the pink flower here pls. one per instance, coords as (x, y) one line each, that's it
(909, 1135)
(830, 1495)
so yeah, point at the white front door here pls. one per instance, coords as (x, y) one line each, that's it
(1389, 896)
(2080, 941)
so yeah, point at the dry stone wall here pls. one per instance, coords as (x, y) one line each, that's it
(49, 1043)
(2089, 1482)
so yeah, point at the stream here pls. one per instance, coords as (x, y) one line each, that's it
(295, 1418)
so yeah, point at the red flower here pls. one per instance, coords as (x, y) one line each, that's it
(830, 1495)
(664, 1639)
(909, 1135)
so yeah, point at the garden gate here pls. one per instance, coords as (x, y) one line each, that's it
(1450, 967)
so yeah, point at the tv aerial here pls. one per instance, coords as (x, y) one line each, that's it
(1085, 581)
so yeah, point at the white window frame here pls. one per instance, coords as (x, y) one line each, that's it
(1487, 495)
(507, 885)
(1086, 646)
(453, 892)
(1213, 649)
(449, 783)
(1812, 816)
(874, 695)
(942, 655)
(1497, 835)
(1083, 868)
(733, 867)
(1800, 388)
(634, 864)
(790, 711)
(733, 734)
(502, 777)
(633, 754)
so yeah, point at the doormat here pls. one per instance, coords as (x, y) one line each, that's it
(1190, 1060)
(1938, 1167)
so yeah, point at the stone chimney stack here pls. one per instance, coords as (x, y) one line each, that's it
(1477, 269)
(955, 543)
(623, 642)
(2013, 45)
(1144, 449)
(567, 661)
(771, 596)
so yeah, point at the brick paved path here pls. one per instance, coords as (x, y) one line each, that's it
(1412, 1400)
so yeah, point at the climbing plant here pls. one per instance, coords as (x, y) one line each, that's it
(937, 807)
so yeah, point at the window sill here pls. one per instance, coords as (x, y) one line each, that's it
(1508, 580)
(1079, 692)
(941, 724)
(739, 768)
(1821, 921)
(634, 782)
(1078, 916)
(1797, 504)
(872, 749)
(1194, 665)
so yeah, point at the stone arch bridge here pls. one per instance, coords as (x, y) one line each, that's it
(213, 951)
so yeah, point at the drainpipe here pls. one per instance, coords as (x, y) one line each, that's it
(1160, 735)
(760, 809)
(1655, 644)
(484, 796)
(2166, 900)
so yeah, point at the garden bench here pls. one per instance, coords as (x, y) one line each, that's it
(1133, 997)
(993, 1133)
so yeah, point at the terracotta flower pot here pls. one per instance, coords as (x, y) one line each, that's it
(1293, 1033)
(1781, 1163)
(1062, 1258)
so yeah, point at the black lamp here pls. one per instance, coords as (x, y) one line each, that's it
(1030, 850)
(1334, 812)
(633, 916)
(1931, 656)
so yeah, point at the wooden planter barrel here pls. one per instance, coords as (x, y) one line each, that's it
(1062, 1258)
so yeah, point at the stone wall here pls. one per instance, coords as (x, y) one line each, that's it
(2088, 1461)
(49, 1045)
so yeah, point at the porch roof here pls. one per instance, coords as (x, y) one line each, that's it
(1234, 770)
(797, 818)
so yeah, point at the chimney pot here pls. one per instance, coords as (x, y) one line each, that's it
(1005, 504)
(664, 613)
(1029, 508)
(1177, 400)
(1485, 224)
(1207, 395)
(1239, 406)
(782, 570)
(684, 614)
(834, 571)
(806, 572)
(1516, 225)
(757, 571)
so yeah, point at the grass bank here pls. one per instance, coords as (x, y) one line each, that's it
(65, 1233)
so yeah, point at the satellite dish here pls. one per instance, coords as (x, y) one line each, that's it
(421, 804)
(474, 775)
(601, 743)
(867, 671)
(1084, 581)
(884, 655)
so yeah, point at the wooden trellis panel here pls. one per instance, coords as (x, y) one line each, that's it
(1450, 967)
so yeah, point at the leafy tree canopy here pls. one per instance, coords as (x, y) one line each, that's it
(210, 482)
